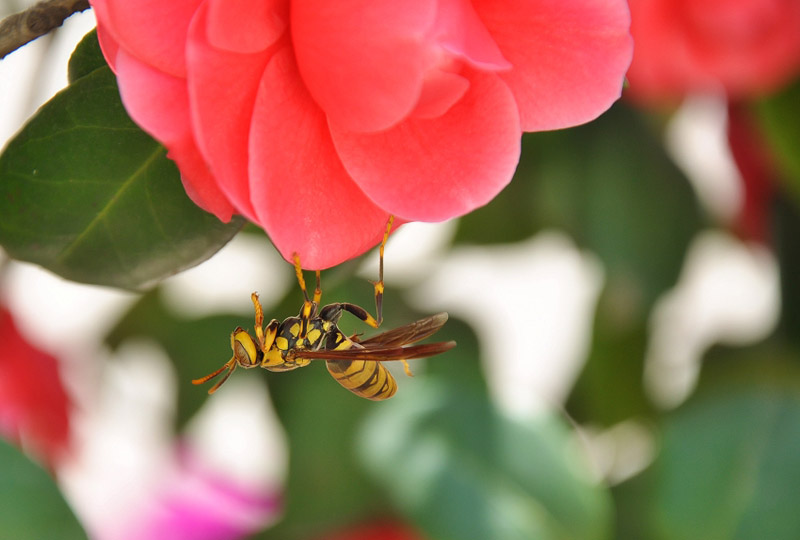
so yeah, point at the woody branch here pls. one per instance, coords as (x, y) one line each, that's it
(21, 28)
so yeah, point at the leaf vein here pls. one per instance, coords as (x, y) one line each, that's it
(102, 215)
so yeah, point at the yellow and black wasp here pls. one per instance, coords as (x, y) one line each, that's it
(314, 335)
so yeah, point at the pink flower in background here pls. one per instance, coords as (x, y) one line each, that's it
(741, 47)
(194, 503)
(318, 119)
(34, 407)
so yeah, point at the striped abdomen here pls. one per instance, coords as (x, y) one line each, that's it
(365, 378)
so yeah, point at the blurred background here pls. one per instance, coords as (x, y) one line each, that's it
(627, 367)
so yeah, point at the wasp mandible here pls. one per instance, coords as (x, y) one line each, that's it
(314, 335)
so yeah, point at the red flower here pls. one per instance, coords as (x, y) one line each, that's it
(755, 163)
(378, 530)
(742, 47)
(34, 408)
(318, 119)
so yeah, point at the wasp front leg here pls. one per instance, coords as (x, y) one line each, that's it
(309, 308)
(318, 290)
(264, 337)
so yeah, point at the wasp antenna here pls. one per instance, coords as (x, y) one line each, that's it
(222, 380)
(230, 364)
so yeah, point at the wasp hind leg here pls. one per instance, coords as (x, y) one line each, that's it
(332, 312)
(407, 368)
(378, 285)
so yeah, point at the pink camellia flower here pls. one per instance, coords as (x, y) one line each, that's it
(319, 119)
(740, 47)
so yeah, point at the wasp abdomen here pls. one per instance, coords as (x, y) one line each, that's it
(370, 380)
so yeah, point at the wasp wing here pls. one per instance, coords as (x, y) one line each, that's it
(378, 354)
(407, 334)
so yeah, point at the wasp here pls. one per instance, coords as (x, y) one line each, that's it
(314, 335)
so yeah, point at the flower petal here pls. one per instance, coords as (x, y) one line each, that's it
(302, 195)
(156, 101)
(246, 26)
(198, 181)
(435, 169)
(152, 30)
(109, 47)
(569, 57)
(221, 118)
(363, 61)
(159, 103)
(441, 91)
(460, 31)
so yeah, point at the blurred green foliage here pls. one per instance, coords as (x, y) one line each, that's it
(31, 505)
(460, 468)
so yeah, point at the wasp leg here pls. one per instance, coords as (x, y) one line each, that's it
(378, 285)
(332, 312)
(318, 290)
(309, 307)
(264, 336)
(259, 317)
(407, 368)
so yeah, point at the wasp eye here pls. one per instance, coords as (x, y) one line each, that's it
(244, 349)
(240, 352)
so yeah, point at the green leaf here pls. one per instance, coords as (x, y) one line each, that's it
(461, 470)
(32, 506)
(730, 464)
(86, 57)
(88, 195)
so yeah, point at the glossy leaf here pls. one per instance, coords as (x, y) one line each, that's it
(729, 466)
(32, 506)
(461, 470)
(88, 195)
(86, 58)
